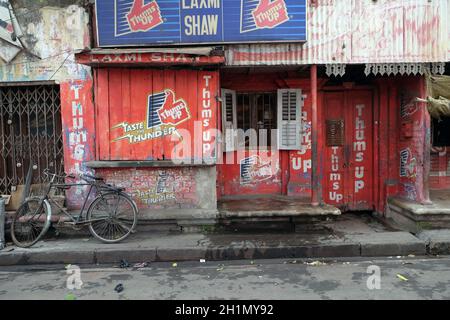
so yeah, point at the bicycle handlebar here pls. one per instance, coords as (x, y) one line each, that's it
(86, 177)
(54, 175)
(63, 176)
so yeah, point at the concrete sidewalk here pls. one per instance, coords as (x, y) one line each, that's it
(346, 236)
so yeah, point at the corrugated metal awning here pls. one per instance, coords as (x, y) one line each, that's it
(359, 32)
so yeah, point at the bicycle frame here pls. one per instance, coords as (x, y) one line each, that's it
(103, 215)
(76, 220)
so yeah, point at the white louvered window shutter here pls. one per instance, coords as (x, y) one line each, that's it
(290, 104)
(229, 119)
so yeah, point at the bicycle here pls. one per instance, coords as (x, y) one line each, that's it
(111, 216)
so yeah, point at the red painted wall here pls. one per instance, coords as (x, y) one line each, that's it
(299, 172)
(414, 153)
(291, 170)
(440, 168)
(387, 142)
(188, 114)
(121, 95)
(77, 112)
(267, 181)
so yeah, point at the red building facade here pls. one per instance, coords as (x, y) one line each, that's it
(310, 128)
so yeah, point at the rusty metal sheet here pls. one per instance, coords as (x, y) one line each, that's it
(355, 31)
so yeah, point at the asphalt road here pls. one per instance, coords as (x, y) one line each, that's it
(400, 278)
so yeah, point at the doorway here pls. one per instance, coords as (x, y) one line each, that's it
(349, 152)
(30, 133)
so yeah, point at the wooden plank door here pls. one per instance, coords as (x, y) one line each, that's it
(348, 157)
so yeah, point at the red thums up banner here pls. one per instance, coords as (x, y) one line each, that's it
(270, 14)
(144, 17)
(173, 112)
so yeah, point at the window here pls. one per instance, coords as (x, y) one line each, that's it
(441, 132)
(257, 111)
(260, 116)
(290, 103)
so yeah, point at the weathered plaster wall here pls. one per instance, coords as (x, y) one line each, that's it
(52, 31)
(166, 188)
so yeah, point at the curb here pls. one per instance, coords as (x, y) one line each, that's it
(437, 241)
(108, 256)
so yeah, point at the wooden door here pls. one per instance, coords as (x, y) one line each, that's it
(348, 179)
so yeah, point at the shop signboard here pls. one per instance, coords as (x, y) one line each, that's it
(162, 22)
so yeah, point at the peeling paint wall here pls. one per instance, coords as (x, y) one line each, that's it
(10, 31)
(414, 140)
(166, 188)
(52, 31)
(77, 112)
(157, 189)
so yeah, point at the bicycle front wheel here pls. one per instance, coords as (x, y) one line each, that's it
(30, 222)
(112, 216)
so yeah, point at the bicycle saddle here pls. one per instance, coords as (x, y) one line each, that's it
(92, 177)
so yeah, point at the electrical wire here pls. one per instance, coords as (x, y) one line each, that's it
(4, 66)
(59, 67)
(68, 52)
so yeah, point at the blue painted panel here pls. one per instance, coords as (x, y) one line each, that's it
(153, 22)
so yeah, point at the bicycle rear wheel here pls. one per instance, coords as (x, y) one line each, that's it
(113, 217)
(31, 222)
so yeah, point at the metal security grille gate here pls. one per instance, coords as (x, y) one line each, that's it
(30, 134)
